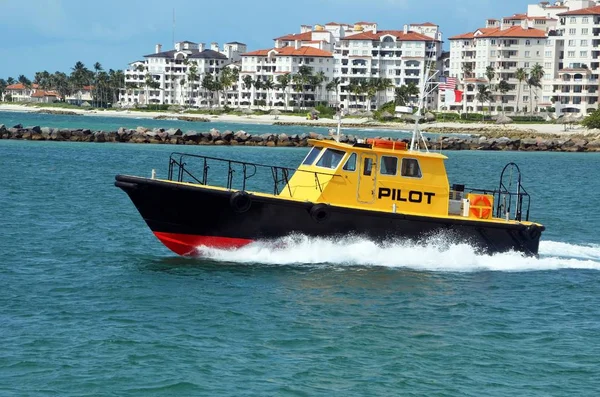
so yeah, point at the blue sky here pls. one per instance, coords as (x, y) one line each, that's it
(53, 34)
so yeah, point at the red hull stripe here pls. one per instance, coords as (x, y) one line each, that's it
(186, 244)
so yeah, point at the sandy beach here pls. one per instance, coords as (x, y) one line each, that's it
(442, 127)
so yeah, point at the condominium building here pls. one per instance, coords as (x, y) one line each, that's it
(350, 53)
(165, 77)
(561, 37)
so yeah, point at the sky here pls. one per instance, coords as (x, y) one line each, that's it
(54, 34)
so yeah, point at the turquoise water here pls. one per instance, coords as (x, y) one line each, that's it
(113, 123)
(92, 304)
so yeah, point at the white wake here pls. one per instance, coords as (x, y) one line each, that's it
(434, 255)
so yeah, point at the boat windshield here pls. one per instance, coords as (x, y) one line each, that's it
(331, 158)
(312, 155)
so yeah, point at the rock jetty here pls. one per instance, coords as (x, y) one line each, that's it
(176, 136)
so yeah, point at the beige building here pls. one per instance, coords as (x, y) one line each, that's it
(350, 52)
(171, 70)
(561, 36)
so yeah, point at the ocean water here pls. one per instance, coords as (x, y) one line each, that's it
(113, 123)
(92, 304)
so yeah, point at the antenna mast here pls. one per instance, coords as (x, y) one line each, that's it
(428, 85)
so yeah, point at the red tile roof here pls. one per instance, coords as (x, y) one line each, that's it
(399, 35)
(365, 23)
(41, 94)
(306, 36)
(517, 16)
(516, 31)
(471, 35)
(19, 86)
(292, 51)
(424, 24)
(584, 11)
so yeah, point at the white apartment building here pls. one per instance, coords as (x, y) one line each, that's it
(171, 70)
(562, 37)
(352, 53)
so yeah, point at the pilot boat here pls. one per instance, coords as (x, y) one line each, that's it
(378, 189)
(383, 190)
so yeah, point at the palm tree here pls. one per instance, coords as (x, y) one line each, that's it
(284, 81)
(182, 83)
(268, 85)
(192, 77)
(117, 82)
(334, 85)
(503, 87)
(258, 84)
(536, 75)
(10, 81)
(521, 76)
(3, 85)
(248, 85)
(304, 78)
(382, 84)
(483, 95)
(317, 81)
(97, 70)
(490, 73)
(80, 76)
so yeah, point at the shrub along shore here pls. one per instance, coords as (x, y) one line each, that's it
(174, 136)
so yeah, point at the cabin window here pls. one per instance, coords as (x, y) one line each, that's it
(411, 168)
(331, 158)
(367, 166)
(312, 155)
(389, 165)
(350, 163)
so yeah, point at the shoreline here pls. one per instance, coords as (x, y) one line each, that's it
(176, 136)
(518, 130)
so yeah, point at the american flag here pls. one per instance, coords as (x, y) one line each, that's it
(447, 83)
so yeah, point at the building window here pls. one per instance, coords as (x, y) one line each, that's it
(493, 53)
(585, 20)
(548, 53)
(583, 54)
(493, 42)
(584, 31)
(527, 42)
(583, 43)
(571, 43)
(571, 31)
(527, 54)
(572, 20)
(571, 54)
(525, 64)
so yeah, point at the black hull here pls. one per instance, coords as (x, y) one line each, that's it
(226, 216)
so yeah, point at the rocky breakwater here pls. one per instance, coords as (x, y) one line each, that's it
(238, 138)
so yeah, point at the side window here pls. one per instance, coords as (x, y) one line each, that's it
(350, 163)
(331, 158)
(389, 165)
(312, 155)
(367, 166)
(411, 168)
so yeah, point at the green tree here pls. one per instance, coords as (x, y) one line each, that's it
(249, 85)
(284, 81)
(483, 95)
(258, 85)
(334, 85)
(3, 85)
(490, 73)
(192, 78)
(521, 76)
(467, 69)
(10, 81)
(535, 80)
(503, 87)
(95, 88)
(268, 85)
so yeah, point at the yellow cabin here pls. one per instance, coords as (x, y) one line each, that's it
(381, 175)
